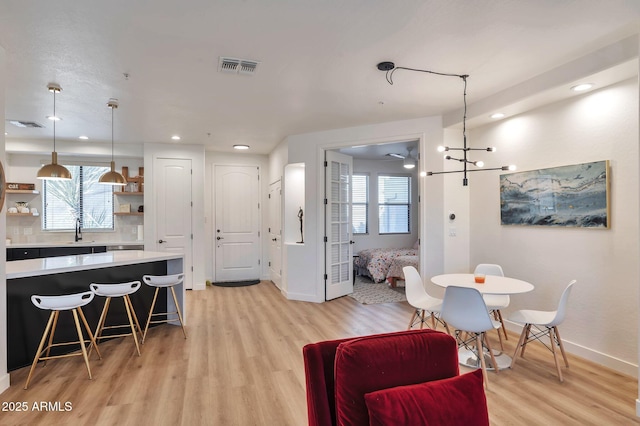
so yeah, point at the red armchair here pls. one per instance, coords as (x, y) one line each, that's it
(408, 377)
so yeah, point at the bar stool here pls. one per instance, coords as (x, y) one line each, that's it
(117, 290)
(56, 304)
(163, 281)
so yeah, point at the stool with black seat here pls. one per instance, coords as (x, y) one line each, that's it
(110, 291)
(163, 281)
(57, 304)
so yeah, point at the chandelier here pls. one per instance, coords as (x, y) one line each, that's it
(390, 68)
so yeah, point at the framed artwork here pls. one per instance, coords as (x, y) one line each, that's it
(2, 186)
(567, 196)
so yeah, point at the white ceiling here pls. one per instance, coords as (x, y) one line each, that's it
(317, 59)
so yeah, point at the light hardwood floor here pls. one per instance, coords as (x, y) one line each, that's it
(242, 365)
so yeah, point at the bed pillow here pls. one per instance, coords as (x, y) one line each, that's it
(457, 400)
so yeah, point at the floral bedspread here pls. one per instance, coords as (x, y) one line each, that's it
(378, 261)
(395, 270)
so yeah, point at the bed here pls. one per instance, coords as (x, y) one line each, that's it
(382, 264)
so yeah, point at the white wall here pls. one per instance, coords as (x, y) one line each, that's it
(373, 239)
(602, 321)
(304, 275)
(244, 159)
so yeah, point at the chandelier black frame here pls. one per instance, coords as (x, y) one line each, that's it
(390, 68)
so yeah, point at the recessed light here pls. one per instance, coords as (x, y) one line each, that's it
(582, 87)
(241, 147)
(83, 137)
(497, 115)
(53, 118)
(175, 137)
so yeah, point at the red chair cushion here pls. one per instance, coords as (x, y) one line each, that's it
(371, 363)
(458, 400)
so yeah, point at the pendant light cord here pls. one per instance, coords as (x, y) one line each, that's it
(54, 120)
(112, 133)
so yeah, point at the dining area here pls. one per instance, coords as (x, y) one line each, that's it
(471, 311)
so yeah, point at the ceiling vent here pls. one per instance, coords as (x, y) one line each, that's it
(28, 124)
(237, 66)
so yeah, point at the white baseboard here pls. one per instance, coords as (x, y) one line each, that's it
(5, 382)
(301, 297)
(619, 365)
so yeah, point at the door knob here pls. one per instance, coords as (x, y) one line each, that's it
(352, 242)
(161, 241)
(274, 239)
(219, 238)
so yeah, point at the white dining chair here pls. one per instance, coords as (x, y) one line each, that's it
(422, 301)
(464, 310)
(495, 302)
(545, 323)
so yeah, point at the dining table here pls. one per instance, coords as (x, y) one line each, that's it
(493, 284)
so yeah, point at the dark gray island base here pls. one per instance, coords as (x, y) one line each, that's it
(25, 322)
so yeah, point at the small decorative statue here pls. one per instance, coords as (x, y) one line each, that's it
(300, 214)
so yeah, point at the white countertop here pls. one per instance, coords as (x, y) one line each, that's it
(82, 262)
(81, 243)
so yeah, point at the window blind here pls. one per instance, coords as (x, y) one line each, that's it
(360, 204)
(81, 197)
(394, 204)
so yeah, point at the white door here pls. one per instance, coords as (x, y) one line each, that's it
(172, 180)
(237, 223)
(338, 232)
(275, 233)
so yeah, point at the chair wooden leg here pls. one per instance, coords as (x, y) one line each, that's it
(526, 339)
(493, 358)
(134, 333)
(555, 355)
(94, 342)
(36, 358)
(81, 339)
(482, 362)
(515, 353)
(53, 330)
(500, 339)
(504, 329)
(434, 325)
(415, 314)
(564, 355)
(421, 319)
(103, 317)
(175, 300)
(133, 312)
(153, 304)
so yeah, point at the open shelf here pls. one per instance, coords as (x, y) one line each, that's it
(23, 214)
(128, 213)
(128, 193)
(22, 191)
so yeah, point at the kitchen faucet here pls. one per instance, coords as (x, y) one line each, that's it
(78, 230)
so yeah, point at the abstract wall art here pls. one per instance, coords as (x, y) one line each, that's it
(566, 196)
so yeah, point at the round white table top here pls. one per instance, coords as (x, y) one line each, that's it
(492, 285)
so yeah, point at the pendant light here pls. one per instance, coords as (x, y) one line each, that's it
(112, 177)
(54, 171)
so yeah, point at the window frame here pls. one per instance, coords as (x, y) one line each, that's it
(408, 205)
(81, 206)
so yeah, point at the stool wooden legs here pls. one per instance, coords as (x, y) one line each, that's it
(133, 322)
(153, 304)
(50, 328)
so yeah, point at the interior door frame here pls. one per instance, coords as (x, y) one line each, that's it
(321, 256)
(261, 237)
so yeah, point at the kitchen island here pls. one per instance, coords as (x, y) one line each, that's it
(73, 274)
